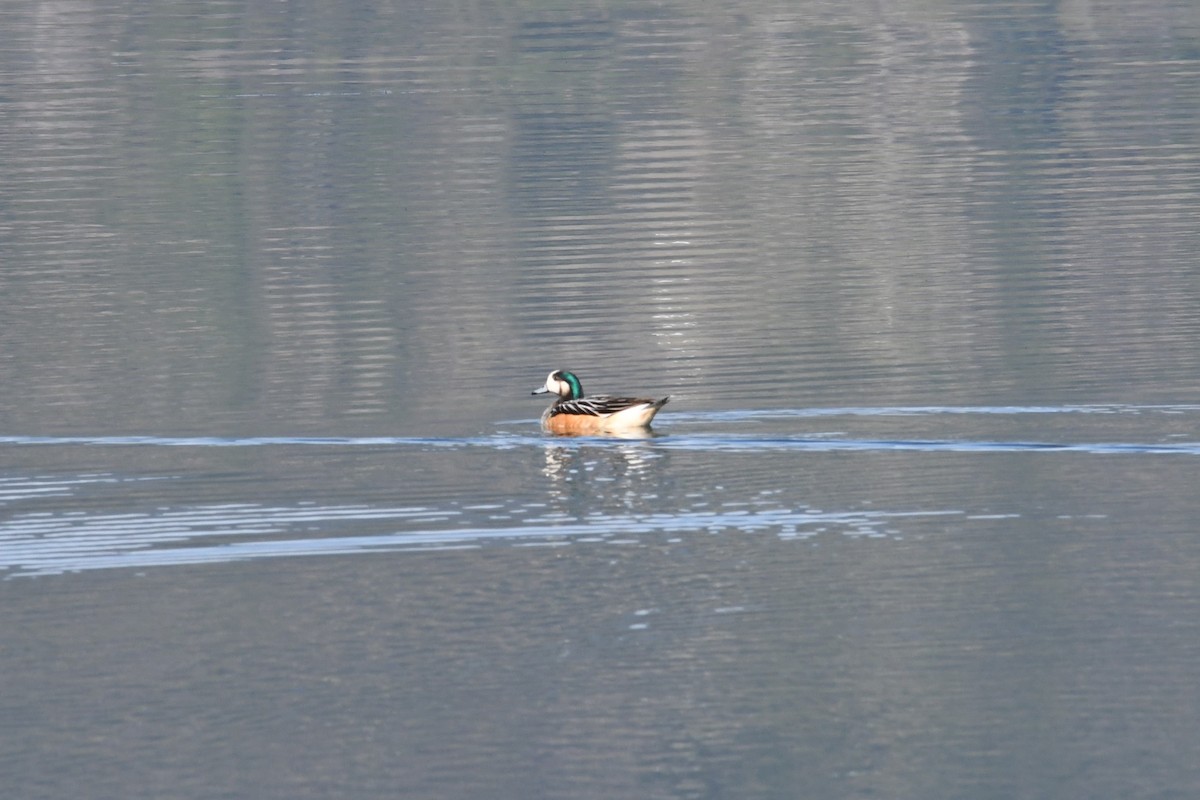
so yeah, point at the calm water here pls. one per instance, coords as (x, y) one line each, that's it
(920, 521)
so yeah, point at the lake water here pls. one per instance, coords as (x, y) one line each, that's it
(920, 520)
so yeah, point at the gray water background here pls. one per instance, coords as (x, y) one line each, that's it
(920, 521)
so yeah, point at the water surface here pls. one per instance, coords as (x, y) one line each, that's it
(276, 519)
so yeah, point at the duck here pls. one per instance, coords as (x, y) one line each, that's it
(572, 413)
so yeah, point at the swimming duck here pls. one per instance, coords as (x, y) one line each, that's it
(574, 413)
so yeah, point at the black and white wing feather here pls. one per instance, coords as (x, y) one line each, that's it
(600, 405)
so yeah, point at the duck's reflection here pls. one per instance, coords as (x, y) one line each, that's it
(604, 473)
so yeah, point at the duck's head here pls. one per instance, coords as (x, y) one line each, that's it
(562, 383)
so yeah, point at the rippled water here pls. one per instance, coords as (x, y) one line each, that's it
(276, 518)
(59, 523)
